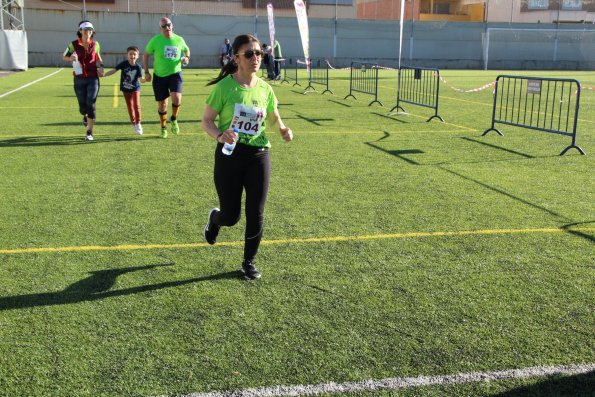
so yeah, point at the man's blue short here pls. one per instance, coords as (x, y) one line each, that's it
(162, 86)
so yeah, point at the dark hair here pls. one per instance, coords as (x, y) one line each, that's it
(231, 67)
(132, 48)
(78, 31)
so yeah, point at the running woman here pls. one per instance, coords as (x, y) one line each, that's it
(87, 68)
(246, 103)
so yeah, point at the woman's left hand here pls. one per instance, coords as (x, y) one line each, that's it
(286, 133)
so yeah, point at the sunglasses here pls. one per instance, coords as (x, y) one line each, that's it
(250, 53)
(165, 25)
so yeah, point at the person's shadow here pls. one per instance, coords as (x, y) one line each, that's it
(98, 286)
(580, 385)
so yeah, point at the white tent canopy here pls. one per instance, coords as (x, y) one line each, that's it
(13, 38)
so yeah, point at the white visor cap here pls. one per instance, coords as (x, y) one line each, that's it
(86, 25)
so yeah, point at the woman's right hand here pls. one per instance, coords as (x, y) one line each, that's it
(228, 136)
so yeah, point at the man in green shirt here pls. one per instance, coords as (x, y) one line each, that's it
(170, 52)
(278, 58)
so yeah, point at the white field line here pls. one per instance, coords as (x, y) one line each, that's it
(31, 83)
(401, 383)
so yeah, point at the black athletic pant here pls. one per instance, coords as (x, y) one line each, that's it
(86, 90)
(247, 168)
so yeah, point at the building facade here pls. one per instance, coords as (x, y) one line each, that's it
(511, 11)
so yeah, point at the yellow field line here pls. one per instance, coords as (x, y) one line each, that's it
(132, 247)
(302, 133)
(115, 96)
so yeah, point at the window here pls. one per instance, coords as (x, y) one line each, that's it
(538, 4)
(572, 5)
(441, 8)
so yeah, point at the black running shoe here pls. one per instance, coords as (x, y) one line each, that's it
(211, 228)
(85, 121)
(249, 270)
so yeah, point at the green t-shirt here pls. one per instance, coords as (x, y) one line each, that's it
(244, 108)
(277, 50)
(167, 53)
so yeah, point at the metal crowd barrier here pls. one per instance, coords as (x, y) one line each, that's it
(363, 78)
(319, 74)
(290, 71)
(419, 86)
(538, 103)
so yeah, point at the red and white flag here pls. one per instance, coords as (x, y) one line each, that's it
(302, 18)
(271, 24)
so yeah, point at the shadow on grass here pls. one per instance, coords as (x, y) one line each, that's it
(144, 93)
(386, 116)
(581, 385)
(62, 140)
(401, 154)
(504, 193)
(566, 227)
(579, 233)
(97, 286)
(314, 121)
(340, 103)
(498, 147)
(100, 123)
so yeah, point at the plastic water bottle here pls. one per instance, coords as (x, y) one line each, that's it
(182, 61)
(229, 147)
(76, 65)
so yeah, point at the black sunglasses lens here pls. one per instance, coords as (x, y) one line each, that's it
(250, 53)
(165, 25)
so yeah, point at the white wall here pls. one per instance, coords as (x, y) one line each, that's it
(435, 44)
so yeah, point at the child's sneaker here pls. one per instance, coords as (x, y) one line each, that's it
(163, 132)
(85, 121)
(175, 129)
(89, 136)
(139, 129)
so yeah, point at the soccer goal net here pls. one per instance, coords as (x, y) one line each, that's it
(510, 48)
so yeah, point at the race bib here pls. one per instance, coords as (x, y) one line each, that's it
(170, 52)
(247, 119)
